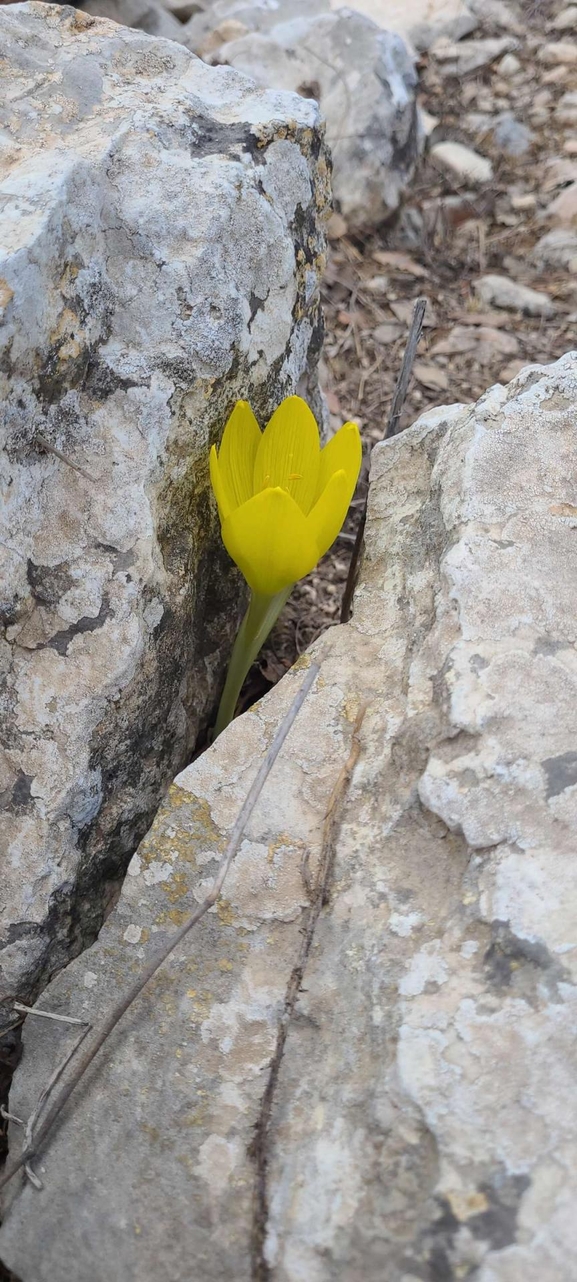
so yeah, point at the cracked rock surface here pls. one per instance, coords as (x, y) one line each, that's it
(161, 251)
(423, 1119)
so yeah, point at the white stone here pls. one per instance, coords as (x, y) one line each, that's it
(462, 161)
(509, 66)
(470, 55)
(495, 13)
(426, 1095)
(161, 255)
(483, 342)
(566, 109)
(558, 248)
(421, 22)
(566, 20)
(365, 82)
(563, 51)
(501, 291)
(429, 123)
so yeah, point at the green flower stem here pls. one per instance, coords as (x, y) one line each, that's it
(259, 620)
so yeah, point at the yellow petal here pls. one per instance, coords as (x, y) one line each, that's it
(343, 452)
(270, 540)
(223, 499)
(240, 442)
(328, 514)
(289, 453)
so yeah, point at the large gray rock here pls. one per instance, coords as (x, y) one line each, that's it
(363, 77)
(424, 1117)
(161, 252)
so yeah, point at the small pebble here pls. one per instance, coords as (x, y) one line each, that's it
(462, 161)
(509, 66)
(555, 76)
(562, 51)
(565, 20)
(501, 291)
(522, 202)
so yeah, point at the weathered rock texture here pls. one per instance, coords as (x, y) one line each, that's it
(423, 1121)
(363, 77)
(161, 250)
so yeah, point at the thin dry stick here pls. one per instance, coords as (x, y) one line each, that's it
(395, 413)
(155, 963)
(259, 1146)
(47, 1014)
(51, 449)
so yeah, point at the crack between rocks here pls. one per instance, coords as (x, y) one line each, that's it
(259, 1149)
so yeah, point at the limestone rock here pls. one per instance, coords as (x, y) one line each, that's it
(563, 210)
(495, 13)
(511, 135)
(501, 291)
(562, 51)
(566, 110)
(558, 248)
(421, 22)
(470, 55)
(483, 341)
(423, 1120)
(461, 161)
(566, 20)
(161, 257)
(364, 80)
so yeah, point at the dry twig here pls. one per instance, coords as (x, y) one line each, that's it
(51, 449)
(33, 1142)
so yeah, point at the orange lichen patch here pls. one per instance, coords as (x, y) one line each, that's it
(81, 21)
(68, 337)
(179, 836)
(563, 509)
(6, 294)
(177, 916)
(285, 843)
(176, 887)
(225, 912)
(464, 1205)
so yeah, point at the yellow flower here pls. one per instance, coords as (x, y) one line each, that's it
(281, 498)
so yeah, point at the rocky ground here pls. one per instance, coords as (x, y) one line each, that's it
(516, 110)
